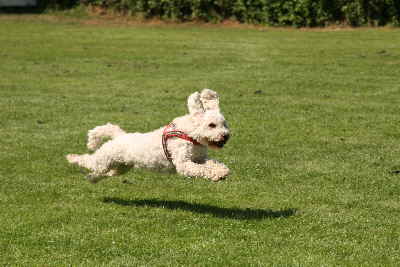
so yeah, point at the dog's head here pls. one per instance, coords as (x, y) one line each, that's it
(209, 125)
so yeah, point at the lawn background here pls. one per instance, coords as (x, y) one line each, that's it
(314, 148)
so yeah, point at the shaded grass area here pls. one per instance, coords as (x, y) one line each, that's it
(314, 152)
(232, 213)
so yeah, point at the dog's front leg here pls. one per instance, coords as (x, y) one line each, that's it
(218, 169)
(210, 169)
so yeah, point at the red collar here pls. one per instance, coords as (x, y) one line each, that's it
(170, 132)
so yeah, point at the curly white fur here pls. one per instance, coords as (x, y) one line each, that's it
(204, 123)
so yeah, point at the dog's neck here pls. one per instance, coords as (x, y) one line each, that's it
(170, 131)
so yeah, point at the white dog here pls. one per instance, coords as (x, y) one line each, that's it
(181, 145)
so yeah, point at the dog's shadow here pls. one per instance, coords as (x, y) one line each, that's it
(219, 212)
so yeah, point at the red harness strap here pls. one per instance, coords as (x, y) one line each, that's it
(169, 132)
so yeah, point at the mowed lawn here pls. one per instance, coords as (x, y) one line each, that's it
(314, 153)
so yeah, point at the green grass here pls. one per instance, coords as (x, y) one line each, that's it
(315, 123)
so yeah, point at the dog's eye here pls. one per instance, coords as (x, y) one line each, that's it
(212, 125)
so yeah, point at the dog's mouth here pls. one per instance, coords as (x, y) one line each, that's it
(220, 143)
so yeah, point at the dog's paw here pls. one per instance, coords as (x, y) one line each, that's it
(72, 158)
(220, 174)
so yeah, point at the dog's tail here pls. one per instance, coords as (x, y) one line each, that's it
(99, 134)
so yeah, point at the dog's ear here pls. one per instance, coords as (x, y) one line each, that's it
(194, 104)
(209, 99)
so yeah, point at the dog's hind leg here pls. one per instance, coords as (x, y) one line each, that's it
(99, 164)
(80, 160)
(99, 167)
(95, 177)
